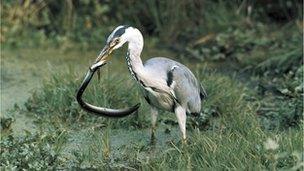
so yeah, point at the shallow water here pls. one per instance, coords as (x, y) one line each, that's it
(22, 73)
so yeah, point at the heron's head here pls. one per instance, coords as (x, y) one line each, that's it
(119, 36)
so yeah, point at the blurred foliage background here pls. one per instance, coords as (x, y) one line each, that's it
(173, 22)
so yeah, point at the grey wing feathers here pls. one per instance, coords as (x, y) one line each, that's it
(185, 88)
(182, 72)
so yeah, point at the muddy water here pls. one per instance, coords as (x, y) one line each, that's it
(22, 73)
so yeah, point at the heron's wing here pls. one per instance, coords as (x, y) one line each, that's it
(176, 79)
(184, 86)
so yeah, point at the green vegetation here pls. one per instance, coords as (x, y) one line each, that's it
(250, 62)
(231, 138)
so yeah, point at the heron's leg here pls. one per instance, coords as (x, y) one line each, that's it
(181, 118)
(154, 114)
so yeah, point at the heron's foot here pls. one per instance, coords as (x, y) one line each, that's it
(153, 139)
(183, 143)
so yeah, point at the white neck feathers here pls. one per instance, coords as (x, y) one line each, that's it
(135, 46)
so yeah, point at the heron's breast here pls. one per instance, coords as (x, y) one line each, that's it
(159, 100)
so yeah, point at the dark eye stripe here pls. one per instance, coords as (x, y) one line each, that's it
(120, 31)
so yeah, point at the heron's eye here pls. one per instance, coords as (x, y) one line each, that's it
(116, 41)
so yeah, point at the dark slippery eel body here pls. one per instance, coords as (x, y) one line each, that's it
(100, 111)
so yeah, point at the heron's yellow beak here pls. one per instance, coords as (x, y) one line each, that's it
(102, 58)
(104, 55)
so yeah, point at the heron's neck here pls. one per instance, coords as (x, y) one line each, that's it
(134, 61)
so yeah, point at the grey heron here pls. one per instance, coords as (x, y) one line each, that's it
(166, 84)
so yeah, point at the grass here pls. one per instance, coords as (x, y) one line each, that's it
(227, 136)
